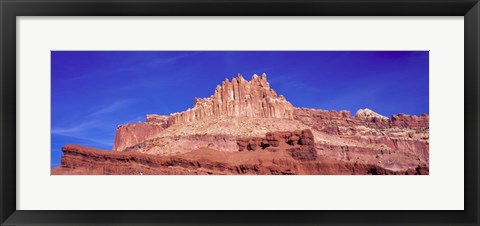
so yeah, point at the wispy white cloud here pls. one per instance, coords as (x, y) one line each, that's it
(69, 131)
(94, 124)
(168, 60)
(82, 131)
(106, 141)
(291, 82)
(111, 108)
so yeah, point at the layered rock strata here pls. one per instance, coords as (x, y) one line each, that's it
(131, 134)
(246, 128)
(79, 160)
(239, 97)
(399, 142)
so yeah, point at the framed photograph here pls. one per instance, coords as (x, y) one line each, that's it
(239, 113)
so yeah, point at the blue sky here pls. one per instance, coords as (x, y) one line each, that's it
(94, 91)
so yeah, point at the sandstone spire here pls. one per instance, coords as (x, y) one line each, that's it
(239, 97)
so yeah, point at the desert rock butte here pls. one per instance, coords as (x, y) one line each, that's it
(246, 128)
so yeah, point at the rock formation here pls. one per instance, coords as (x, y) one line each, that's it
(160, 120)
(246, 128)
(79, 160)
(367, 114)
(239, 97)
(410, 121)
(131, 134)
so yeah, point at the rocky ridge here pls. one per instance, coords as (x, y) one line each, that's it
(249, 126)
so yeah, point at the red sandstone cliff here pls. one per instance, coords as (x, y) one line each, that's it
(287, 155)
(245, 128)
(130, 134)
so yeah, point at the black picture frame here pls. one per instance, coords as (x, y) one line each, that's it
(10, 9)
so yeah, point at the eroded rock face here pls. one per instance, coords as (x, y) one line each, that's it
(369, 115)
(245, 128)
(161, 120)
(131, 134)
(328, 121)
(128, 135)
(80, 160)
(276, 139)
(410, 121)
(174, 145)
(299, 144)
(239, 97)
(398, 143)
